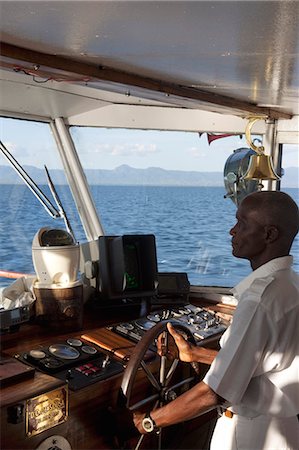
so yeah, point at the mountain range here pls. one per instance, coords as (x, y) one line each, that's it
(126, 175)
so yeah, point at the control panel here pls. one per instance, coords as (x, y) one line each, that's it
(73, 361)
(201, 322)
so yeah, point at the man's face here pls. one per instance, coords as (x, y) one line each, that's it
(248, 235)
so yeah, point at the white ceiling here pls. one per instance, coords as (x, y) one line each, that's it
(246, 50)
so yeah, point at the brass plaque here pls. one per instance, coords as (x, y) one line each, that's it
(46, 411)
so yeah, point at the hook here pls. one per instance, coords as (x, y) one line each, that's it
(259, 150)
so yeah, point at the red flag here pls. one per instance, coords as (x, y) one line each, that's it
(213, 137)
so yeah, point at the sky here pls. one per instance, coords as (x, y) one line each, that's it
(32, 144)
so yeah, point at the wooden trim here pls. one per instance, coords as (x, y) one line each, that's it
(104, 73)
(14, 275)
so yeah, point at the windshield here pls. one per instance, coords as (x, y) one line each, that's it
(169, 184)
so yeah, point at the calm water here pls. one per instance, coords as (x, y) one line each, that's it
(191, 225)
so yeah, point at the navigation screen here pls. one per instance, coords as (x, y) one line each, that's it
(127, 267)
(131, 267)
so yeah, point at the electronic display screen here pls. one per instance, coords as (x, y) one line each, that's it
(131, 267)
(127, 266)
(15, 313)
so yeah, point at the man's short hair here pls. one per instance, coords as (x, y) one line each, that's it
(276, 208)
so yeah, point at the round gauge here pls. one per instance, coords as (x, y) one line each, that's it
(37, 354)
(185, 310)
(89, 350)
(195, 318)
(60, 442)
(127, 326)
(52, 363)
(154, 317)
(64, 351)
(145, 324)
(177, 313)
(74, 342)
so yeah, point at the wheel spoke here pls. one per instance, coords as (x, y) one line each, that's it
(144, 402)
(164, 347)
(162, 370)
(160, 439)
(150, 376)
(139, 442)
(171, 372)
(181, 383)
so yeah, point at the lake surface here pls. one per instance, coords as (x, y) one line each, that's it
(191, 225)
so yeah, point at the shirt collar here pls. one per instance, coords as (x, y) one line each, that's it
(284, 262)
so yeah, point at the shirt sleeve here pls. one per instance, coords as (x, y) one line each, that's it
(242, 352)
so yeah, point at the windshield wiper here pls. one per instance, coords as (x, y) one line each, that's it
(41, 197)
(61, 210)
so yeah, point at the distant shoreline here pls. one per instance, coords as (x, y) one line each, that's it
(128, 176)
(141, 185)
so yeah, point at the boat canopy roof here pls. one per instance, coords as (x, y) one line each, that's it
(108, 63)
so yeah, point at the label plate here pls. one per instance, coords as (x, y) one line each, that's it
(46, 411)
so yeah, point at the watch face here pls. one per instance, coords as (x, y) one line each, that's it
(148, 425)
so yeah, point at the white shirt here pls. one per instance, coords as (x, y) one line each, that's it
(257, 367)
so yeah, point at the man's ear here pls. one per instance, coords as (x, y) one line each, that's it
(272, 233)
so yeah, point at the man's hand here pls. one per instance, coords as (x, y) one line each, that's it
(138, 418)
(178, 347)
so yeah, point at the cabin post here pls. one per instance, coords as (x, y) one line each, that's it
(271, 148)
(77, 180)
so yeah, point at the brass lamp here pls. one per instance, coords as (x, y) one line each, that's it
(260, 166)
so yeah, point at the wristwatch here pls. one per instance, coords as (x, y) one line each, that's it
(149, 424)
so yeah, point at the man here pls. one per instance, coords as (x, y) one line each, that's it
(256, 372)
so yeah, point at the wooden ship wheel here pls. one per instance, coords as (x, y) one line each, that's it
(149, 383)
